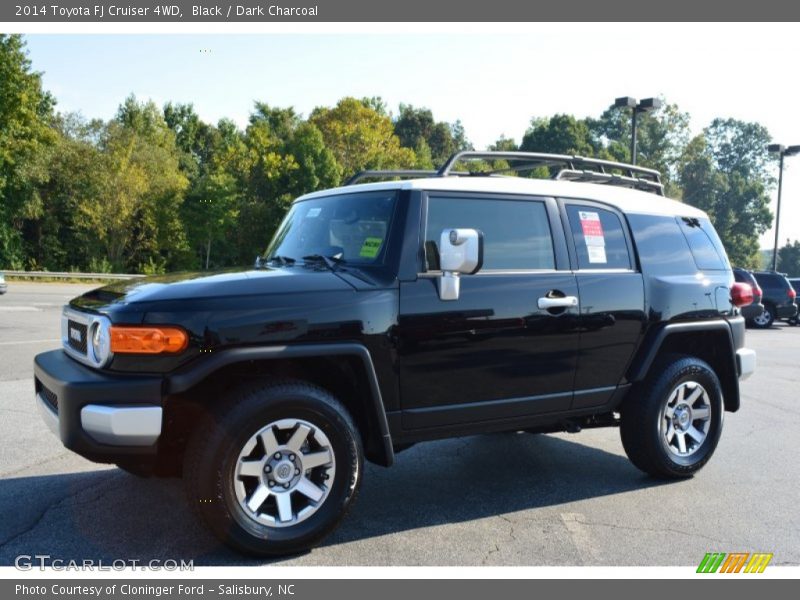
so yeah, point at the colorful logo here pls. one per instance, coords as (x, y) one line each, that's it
(735, 562)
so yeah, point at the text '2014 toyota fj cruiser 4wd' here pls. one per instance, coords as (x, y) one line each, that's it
(388, 313)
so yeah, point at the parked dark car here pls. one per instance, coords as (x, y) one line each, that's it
(756, 309)
(778, 298)
(795, 283)
(391, 313)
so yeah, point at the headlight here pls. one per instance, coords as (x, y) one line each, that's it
(101, 342)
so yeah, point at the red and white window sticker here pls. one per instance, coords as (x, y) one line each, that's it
(593, 236)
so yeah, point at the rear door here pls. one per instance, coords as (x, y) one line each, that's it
(611, 289)
(493, 353)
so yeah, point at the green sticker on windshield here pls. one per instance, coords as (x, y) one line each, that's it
(371, 247)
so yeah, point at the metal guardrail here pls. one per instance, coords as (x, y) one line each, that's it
(67, 275)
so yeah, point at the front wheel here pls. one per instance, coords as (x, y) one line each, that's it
(276, 469)
(671, 429)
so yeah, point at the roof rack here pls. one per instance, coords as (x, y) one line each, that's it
(570, 168)
(390, 175)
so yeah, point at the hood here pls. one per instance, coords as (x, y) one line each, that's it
(195, 286)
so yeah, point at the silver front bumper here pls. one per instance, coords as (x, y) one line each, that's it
(745, 362)
(112, 425)
(122, 425)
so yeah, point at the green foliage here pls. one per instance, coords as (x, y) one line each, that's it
(25, 139)
(504, 144)
(662, 136)
(436, 141)
(360, 137)
(559, 134)
(725, 172)
(789, 258)
(156, 190)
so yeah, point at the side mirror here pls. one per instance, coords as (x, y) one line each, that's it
(460, 251)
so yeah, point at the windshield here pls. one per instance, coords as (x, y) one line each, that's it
(352, 228)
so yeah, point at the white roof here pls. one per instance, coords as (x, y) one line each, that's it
(627, 200)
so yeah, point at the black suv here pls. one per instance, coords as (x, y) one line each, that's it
(755, 308)
(389, 313)
(778, 299)
(795, 283)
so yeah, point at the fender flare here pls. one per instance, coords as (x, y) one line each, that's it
(195, 372)
(640, 366)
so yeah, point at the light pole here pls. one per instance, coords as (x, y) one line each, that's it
(781, 151)
(636, 107)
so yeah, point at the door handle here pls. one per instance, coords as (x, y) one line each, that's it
(546, 303)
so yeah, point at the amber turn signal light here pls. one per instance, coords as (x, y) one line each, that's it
(148, 340)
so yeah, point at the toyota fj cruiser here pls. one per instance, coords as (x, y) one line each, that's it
(432, 305)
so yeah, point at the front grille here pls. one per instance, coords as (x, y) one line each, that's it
(49, 395)
(76, 336)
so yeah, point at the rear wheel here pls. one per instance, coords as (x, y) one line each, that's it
(276, 469)
(765, 319)
(671, 429)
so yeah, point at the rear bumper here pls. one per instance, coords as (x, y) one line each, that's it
(751, 311)
(786, 311)
(745, 362)
(102, 417)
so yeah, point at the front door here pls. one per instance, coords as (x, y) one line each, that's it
(507, 348)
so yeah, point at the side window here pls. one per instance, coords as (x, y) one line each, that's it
(701, 237)
(599, 238)
(516, 233)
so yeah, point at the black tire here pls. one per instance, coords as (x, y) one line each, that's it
(641, 428)
(766, 319)
(213, 451)
(793, 321)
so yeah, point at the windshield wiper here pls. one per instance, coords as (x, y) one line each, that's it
(281, 260)
(336, 263)
(332, 262)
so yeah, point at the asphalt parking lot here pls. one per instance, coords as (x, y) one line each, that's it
(510, 499)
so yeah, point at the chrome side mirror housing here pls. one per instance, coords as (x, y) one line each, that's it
(460, 252)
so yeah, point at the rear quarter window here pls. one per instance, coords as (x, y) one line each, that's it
(704, 244)
(662, 247)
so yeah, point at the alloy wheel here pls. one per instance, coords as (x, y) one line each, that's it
(685, 419)
(284, 473)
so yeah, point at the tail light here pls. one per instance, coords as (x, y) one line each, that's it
(791, 293)
(741, 294)
(148, 340)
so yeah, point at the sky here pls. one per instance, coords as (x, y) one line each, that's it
(493, 81)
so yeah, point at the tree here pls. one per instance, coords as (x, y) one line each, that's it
(559, 134)
(279, 158)
(661, 139)
(724, 172)
(360, 137)
(58, 238)
(417, 129)
(789, 258)
(504, 144)
(26, 111)
(136, 212)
